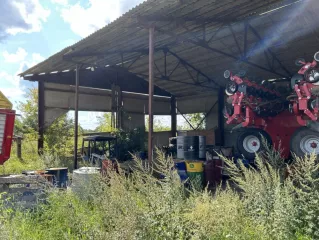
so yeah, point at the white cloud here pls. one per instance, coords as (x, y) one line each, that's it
(11, 84)
(60, 2)
(21, 16)
(85, 20)
(19, 56)
(13, 79)
(12, 92)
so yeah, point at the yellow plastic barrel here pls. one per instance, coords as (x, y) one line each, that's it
(194, 167)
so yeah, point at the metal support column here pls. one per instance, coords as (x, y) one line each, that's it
(76, 116)
(119, 109)
(40, 116)
(173, 116)
(221, 120)
(150, 94)
(19, 147)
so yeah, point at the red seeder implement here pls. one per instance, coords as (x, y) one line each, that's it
(286, 119)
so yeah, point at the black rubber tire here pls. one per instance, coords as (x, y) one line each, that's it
(231, 88)
(259, 133)
(295, 139)
(228, 109)
(295, 80)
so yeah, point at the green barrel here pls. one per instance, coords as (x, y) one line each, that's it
(195, 173)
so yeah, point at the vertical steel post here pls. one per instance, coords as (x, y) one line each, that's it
(173, 116)
(19, 147)
(119, 108)
(76, 116)
(40, 116)
(221, 119)
(150, 94)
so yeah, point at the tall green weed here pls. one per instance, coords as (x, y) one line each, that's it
(268, 205)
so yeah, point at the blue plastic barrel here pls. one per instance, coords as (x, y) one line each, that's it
(60, 178)
(180, 165)
(183, 175)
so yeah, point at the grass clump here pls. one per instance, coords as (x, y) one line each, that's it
(269, 205)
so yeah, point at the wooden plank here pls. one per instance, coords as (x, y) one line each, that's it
(21, 179)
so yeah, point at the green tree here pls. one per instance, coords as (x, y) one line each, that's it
(195, 119)
(28, 122)
(58, 136)
(105, 123)
(158, 125)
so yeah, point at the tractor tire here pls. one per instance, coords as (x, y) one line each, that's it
(250, 142)
(304, 141)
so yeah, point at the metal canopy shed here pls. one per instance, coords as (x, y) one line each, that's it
(184, 46)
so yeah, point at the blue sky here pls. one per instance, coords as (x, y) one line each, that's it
(33, 30)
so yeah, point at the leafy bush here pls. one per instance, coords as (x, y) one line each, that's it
(305, 177)
(129, 142)
(268, 205)
(266, 198)
(30, 158)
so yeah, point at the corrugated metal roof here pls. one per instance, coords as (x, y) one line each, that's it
(292, 26)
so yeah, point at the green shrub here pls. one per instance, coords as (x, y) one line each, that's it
(305, 177)
(142, 206)
(30, 159)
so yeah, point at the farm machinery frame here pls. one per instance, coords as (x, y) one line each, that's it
(285, 115)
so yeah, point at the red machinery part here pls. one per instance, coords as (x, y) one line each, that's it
(277, 131)
(281, 128)
(302, 88)
(278, 128)
(7, 118)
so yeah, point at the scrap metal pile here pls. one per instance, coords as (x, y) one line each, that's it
(285, 115)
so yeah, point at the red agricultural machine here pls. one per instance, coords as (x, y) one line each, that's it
(284, 114)
(7, 117)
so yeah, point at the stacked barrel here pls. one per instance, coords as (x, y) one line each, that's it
(191, 152)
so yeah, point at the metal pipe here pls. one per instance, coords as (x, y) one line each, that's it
(173, 116)
(221, 120)
(76, 116)
(150, 94)
(40, 116)
(206, 46)
(19, 147)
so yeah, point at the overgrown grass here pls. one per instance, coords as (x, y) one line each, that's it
(29, 161)
(141, 206)
(32, 161)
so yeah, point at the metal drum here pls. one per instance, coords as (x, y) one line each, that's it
(191, 147)
(180, 147)
(60, 176)
(82, 179)
(202, 147)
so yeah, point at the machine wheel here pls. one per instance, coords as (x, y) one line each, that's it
(231, 88)
(228, 109)
(250, 142)
(304, 141)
